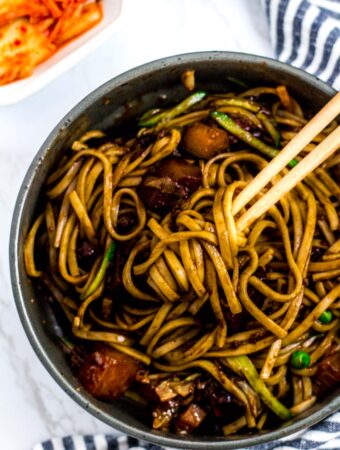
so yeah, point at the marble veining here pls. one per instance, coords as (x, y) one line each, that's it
(32, 406)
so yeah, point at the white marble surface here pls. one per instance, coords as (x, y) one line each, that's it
(32, 406)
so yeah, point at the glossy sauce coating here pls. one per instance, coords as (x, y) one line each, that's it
(328, 375)
(190, 419)
(173, 179)
(108, 373)
(205, 141)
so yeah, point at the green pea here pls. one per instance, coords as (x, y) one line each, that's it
(300, 359)
(326, 317)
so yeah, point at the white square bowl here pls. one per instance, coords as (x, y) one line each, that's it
(65, 58)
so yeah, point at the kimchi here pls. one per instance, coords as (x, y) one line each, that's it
(33, 30)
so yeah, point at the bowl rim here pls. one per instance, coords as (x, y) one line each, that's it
(46, 359)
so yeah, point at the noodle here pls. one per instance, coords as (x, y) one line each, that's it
(177, 286)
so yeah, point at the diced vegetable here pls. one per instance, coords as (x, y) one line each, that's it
(230, 125)
(190, 419)
(326, 317)
(188, 79)
(243, 365)
(164, 116)
(268, 125)
(205, 141)
(300, 359)
(171, 180)
(327, 376)
(108, 373)
(101, 272)
(241, 102)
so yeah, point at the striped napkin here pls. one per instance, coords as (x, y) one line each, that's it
(306, 34)
(324, 436)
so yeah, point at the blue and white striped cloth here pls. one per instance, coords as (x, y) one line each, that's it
(306, 34)
(95, 442)
(323, 436)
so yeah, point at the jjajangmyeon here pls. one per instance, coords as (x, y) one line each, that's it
(164, 300)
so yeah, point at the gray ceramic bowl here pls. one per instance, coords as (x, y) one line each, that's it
(119, 100)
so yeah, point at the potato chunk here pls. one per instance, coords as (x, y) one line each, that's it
(205, 141)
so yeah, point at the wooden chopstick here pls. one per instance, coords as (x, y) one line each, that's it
(320, 153)
(328, 113)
